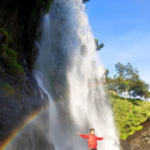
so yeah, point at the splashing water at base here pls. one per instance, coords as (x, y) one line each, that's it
(66, 71)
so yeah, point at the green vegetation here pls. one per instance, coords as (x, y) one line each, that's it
(44, 5)
(98, 46)
(127, 82)
(8, 54)
(129, 114)
(10, 58)
(8, 89)
(15, 68)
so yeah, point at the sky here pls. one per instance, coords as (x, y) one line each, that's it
(124, 28)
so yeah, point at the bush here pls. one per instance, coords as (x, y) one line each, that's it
(8, 89)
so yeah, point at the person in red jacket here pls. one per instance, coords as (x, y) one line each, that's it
(92, 139)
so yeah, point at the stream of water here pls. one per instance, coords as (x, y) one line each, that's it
(68, 71)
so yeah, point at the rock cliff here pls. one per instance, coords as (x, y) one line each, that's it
(140, 140)
(19, 91)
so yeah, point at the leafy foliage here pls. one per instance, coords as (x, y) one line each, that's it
(127, 81)
(98, 46)
(44, 5)
(129, 114)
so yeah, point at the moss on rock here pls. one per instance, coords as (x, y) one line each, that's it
(10, 57)
(8, 54)
(8, 89)
(15, 68)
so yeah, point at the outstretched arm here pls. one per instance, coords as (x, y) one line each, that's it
(78, 133)
(82, 135)
(99, 138)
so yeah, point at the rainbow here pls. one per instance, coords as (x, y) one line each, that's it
(29, 120)
(20, 128)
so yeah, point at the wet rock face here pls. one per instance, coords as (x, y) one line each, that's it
(15, 108)
(139, 140)
(16, 16)
(32, 139)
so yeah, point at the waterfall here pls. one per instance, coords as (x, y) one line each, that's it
(68, 71)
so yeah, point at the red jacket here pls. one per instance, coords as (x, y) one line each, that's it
(92, 140)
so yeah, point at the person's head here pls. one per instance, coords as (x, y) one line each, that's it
(92, 131)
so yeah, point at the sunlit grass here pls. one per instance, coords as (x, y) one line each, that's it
(129, 114)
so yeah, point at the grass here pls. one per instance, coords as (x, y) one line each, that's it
(129, 114)
(8, 89)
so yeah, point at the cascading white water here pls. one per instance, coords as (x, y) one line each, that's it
(65, 70)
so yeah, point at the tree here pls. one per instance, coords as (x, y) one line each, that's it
(140, 88)
(109, 82)
(125, 78)
(98, 46)
(128, 82)
(123, 86)
(106, 74)
(146, 94)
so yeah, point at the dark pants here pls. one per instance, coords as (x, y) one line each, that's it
(92, 149)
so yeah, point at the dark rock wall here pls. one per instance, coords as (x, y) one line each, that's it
(15, 108)
(33, 137)
(20, 19)
(139, 140)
